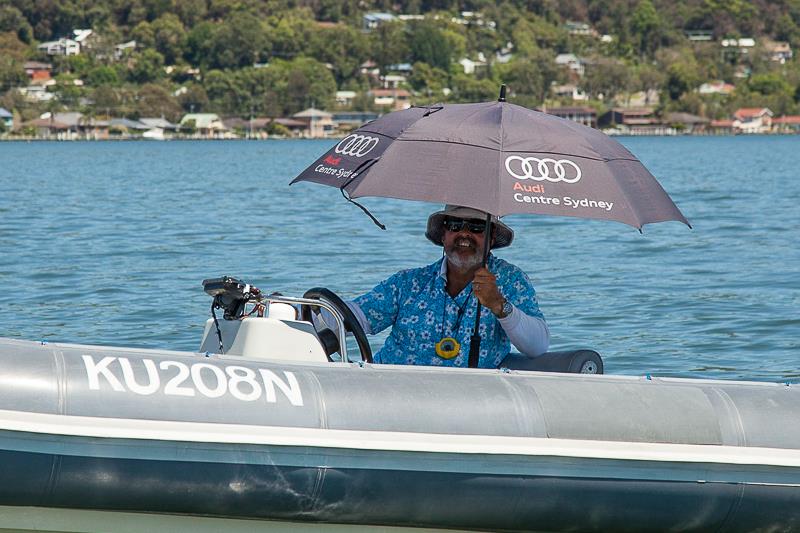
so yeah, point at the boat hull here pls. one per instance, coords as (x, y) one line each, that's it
(125, 431)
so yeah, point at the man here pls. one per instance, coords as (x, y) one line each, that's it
(432, 309)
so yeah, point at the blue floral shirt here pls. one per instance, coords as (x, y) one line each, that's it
(421, 312)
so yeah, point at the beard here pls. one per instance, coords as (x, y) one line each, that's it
(464, 258)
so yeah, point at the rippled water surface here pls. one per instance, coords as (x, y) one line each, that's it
(107, 243)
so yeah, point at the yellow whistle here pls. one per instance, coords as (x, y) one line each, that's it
(447, 348)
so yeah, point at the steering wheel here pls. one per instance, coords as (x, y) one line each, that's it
(351, 323)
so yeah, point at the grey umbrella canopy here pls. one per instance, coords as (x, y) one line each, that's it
(498, 157)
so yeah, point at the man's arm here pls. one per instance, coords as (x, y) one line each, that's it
(529, 334)
(524, 325)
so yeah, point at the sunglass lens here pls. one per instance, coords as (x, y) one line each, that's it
(456, 225)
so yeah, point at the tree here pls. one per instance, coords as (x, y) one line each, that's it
(169, 37)
(529, 78)
(12, 20)
(681, 78)
(342, 47)
(102, 75)
(199, 42)
(606, 78)
(428, 81)
(194, 100)
(389, 44)
(238, 42)
(12, 56)
(148, 66)
(154, 100)
(429, 45)
(646, 26)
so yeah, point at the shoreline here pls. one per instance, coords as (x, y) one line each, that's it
(19, 139)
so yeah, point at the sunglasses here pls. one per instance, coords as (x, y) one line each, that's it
(457, 224)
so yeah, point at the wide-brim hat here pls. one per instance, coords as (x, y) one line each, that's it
(503, 235)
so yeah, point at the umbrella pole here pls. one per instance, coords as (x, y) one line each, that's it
(475, 340)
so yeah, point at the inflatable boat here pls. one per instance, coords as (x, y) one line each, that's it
(271, 426)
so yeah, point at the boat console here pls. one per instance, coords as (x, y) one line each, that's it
(281, 328)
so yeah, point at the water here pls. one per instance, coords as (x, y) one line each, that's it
(107, 243)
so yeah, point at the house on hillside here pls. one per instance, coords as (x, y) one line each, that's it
(6, 119)
(350, 120)
(786, 124)
(570, 91)
(61, 47)
(371, 21)
(716, 87)
(84, 38)
(318, 123)
(580, 28)
(721, 127)
(345, 98)
(205, 125)
(392, 99)
(38, 73)
(571, 62)
(752, 120)
(123, 49)
(582, 115)
(686, 122)
(780, 52)
(634, 121)
(470, 66)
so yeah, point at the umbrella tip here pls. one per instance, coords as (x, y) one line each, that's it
(502, 93)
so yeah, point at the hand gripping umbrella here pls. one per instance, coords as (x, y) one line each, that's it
(499, 158)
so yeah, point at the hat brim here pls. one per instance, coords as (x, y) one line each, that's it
(503, 235)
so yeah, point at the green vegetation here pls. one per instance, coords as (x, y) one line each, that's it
(276, 57)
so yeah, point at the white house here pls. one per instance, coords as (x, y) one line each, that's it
(753, 120)
(345, 98)
(61, 47)
(320, 123)
(572, 62)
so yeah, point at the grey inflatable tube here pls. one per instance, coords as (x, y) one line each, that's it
(152, 431)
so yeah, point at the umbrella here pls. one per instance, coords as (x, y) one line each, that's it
(499, 158)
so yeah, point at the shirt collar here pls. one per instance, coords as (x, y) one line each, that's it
(443, 266)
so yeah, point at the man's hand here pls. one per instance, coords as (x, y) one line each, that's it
(484, 285)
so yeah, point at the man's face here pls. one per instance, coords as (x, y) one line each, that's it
(463, 242)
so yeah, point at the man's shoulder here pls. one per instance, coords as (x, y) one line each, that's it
(501, 265)
(418, 272)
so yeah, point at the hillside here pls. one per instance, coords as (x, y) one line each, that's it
(273, 58)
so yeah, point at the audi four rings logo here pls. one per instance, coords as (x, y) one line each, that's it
(356, 145)
(543, 169)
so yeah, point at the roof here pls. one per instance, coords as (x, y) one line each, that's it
(201, 120)
(70, 118)
(570, 110)
(390, 92)
(128, 123)
(246, 124)
(563, 59)
(46, 123)
(289, 122)
(634, 111)
(158, 123)
(379, 17)
(752, 112)
(5, 113)
(725, 123)
(788, 119)
(36, 65)
(312, 113)
(81, 35)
